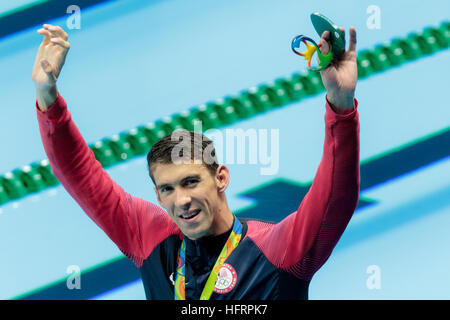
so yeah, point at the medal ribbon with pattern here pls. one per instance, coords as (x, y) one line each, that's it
(230, 245)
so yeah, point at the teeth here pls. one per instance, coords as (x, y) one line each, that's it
(187, 216)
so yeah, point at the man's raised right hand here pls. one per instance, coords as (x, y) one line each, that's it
(48, 64)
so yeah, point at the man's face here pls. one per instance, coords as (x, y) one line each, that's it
(190, 194)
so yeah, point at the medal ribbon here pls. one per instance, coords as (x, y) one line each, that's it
(230, 245)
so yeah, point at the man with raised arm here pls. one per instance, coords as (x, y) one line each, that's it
(192, 246)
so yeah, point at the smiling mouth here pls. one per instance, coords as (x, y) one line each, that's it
(190, 214)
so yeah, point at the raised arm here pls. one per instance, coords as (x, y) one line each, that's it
(48, 64)
(304, 240)
(340, 77)
(135, 225)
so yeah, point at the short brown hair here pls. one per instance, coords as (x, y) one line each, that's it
(161, 152)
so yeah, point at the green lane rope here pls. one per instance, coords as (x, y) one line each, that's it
(136, 142)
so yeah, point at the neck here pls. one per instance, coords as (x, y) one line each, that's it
(222, 222)
(223, 217)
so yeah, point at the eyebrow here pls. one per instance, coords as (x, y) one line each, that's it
(195, 176)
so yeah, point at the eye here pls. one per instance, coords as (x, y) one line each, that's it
(191, 182)
(165, 189)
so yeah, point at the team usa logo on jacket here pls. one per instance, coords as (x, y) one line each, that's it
(226, 279)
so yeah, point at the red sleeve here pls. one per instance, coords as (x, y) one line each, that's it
(135, 225)
(303, 241)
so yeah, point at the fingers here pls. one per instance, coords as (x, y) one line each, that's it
(352, 41)
(352, 44)
(46, 34)
(60, 42)
(56, 31)
(325, 47)
(54, 34)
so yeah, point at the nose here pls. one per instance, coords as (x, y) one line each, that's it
(182, 199)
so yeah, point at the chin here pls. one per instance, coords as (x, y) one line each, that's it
(196, 229)
(196, 234)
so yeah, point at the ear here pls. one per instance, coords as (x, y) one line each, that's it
(222, 178)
